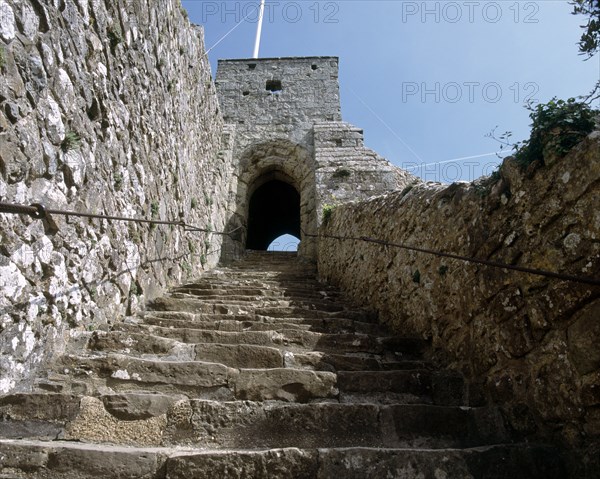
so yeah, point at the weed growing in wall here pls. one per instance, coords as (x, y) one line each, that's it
(72, 141)
(327, 211)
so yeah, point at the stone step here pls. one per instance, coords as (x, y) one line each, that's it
(263, 323)
(443, 387)
(235, 355)
(198, 379)
(215, 321)
(224, 290)
(280, 310)
(231, 302)
(292, 312)
(291, 339)
(28, 459)
(68, 460)
(155, 420)
(498, 462)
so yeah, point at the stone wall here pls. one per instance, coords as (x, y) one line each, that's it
(528, 343)
(345, 170)
(105, 107)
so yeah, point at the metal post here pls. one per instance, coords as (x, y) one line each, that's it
(259, 28)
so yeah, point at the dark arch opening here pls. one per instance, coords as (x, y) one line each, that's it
(274, 210)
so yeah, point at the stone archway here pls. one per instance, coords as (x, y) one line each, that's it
(273, 210)
(289, 166)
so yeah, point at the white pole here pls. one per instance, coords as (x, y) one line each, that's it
(259, 28)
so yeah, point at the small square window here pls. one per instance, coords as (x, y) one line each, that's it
(274, 86)
(251, 66)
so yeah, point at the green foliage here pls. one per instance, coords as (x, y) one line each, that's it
(187, 267)
(341, 174)
(495, 176)
(327, 211)
(589, 43)
(208, 201)
(203, 260)
(556, 127)
(193, 203)
(154, 209)
(416, 277)
(72, 141)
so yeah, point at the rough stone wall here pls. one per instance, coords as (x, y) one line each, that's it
(106, 107)
(528, 343)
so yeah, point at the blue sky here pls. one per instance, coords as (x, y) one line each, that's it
(425, 80)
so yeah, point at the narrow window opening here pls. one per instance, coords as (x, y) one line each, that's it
(314, 67)
(251, 66)
(338, 142)
(274, 86)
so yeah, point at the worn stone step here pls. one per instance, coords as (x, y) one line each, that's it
(235, 355)
(258, 292)
(214, 321)
(324, 361)
(443, 387)
(68, 460)
(155, 420)
(199, 379)
(287, 312)
(231, 302)
(237, 424)
(260, 323)
(277, 309)
(494, 462)
(197, 306)
(291, 339)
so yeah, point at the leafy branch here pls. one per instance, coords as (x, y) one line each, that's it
(556, 127)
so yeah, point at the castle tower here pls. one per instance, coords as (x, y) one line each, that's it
(284, 131)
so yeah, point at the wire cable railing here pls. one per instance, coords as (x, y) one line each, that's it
(39, 211)
(469, 259)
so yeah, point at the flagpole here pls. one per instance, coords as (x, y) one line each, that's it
(259, 28)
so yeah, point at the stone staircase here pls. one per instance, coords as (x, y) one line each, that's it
(256, 371)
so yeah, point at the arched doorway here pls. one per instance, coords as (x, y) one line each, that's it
(274, 210)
